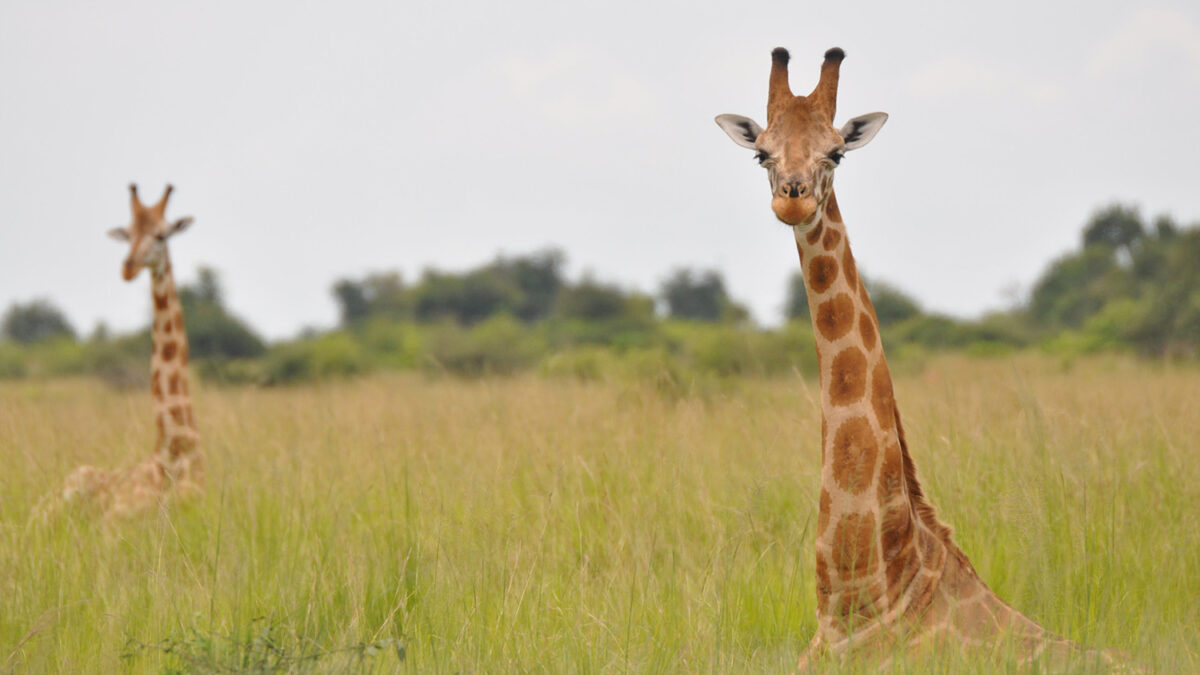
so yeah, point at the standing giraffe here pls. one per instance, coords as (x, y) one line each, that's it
(176, 465)
(889, 574)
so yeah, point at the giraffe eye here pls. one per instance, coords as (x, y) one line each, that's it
(762, 156)
(835, 157)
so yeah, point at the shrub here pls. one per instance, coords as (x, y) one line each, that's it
(584, 363)
(391, 344)
(499, 345)
(12, 362)
(122, 363)
(334, 354)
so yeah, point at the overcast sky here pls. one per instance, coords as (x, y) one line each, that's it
(313, 141)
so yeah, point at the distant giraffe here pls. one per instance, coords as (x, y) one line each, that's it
(889, 575)
(176, 465)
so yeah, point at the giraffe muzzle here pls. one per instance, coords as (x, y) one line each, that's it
(794, 210)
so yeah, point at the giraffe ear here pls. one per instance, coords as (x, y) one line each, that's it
(860, 130)
(743, 130)
(178, 226)
(119, 233)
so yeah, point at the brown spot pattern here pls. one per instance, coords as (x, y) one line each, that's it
(882, 398)
(168, 350)
(822, 272)
(896, 529)
(179, 446)
(177, 415)
(891, 474)
(856, 603)
(178, 321)
(823, 585)
(848, 377)
(866, 328)
(162, 427)
(853, 553)
(832, 237)
(167, 326)
(864, 295)
(173, 383)
(854, 452)
(160, 301)
(831, 208)
(850, 268)
(835, 316)
(824, 506)
(814, 234)
(183, 354)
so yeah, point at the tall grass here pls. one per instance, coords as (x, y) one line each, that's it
(553, 525)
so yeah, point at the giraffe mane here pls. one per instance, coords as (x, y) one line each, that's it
(916, 496)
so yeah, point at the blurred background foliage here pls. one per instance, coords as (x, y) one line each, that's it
(1131, 286)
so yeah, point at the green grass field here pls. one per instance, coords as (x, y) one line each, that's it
(552, 525)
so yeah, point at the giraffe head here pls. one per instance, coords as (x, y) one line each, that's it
(147, 234)
(800, 147)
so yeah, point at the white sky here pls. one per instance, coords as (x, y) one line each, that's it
(314, 140)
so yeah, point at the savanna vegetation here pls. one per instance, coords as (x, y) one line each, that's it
(431, 523)
(637, 493)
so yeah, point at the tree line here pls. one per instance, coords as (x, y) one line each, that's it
(1130, 285)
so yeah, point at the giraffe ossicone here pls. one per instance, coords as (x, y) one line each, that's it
(176, 466)
(889, 575)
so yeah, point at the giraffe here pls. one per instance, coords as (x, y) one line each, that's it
(176, 465)
(889, 574)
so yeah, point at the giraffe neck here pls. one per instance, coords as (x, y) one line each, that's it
(878, 541)
(177, 445)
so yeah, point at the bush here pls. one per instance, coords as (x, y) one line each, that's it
(499, 345)
(330, 355)
(122, 363)
(232, 371)
(584, 363)
(391, 344)
(12, 362)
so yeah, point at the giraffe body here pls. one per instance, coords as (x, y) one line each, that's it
(889, 575)
(176, 466)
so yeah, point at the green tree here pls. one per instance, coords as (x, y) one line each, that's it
(1076, 286)
(212, 331)
(352, 301)
(539, 279)
(594, 301)
(1115, 226)
(699, 296)
(892, 305)
(381, 295)
(467, 298)
(1169, 320)
(35, 321)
